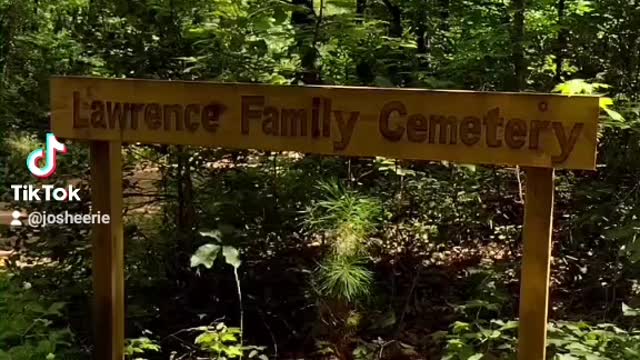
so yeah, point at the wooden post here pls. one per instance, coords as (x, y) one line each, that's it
(534, 285)
(108, 251)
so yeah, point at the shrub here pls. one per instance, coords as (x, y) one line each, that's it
(30, 327)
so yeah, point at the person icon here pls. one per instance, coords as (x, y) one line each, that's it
(16, 218)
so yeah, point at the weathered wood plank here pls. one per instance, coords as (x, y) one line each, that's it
(108, 251)
(540, 130)
(534, 286)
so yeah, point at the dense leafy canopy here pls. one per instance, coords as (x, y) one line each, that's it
(348, 258)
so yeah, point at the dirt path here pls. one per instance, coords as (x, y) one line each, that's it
(5, 214)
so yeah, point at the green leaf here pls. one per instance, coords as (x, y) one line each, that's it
(215, 234)
(476, 356)
(565, 357)
(460, 326)
(207, 338)
(55, 308)
(629, 311)
(578, 86)
(234, 351)
(389, 319)
(583, 7)
(205, 255)
(614, 115)
(228, 337)
(231, 256)
(512, 324)
(469, 167)
(280, 15)
(605, 102)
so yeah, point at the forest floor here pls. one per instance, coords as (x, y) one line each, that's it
(138, 203)
(5, 215)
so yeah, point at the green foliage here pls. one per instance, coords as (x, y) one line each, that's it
(495, 339)
(345, 216)
(377, 236)
(231, 256)
(580, 86)
(31, 328)
(581, 341)
(344, 278)
(208, 253)
(220, 342)
(245, 41)
(629, 311)
(134, 348)
(205, 255)
(567, 340)
(478, 334)
(380, 348)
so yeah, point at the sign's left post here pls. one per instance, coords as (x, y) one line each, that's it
(108, 251)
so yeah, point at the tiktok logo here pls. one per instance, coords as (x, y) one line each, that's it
(34, 160)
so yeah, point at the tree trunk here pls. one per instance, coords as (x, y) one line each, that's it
(302, 16)
(445, 26)
(517, 41)
(303, 20)
(421, 40)
(444, 14)
(421, 20)
(561, 42)
(395, 28)
(361, 6)
(185, 216)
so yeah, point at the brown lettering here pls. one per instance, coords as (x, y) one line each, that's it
(534, 136)
(78, 121)
(383, 121)
(315, 117)
(210, 116)
(515, 133)
(97, 114)
(566, 146)
(443, 123)
(192, 126)
(152, 116)
(248, 113)
(270, 124)
(117, 111)
(417, 126)
(294, 117)
(326, 118)
(346, 129)
(135, 108)
(177, 115)
(470, 130)
(492, 121)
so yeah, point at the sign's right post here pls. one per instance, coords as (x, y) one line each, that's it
(536, 264)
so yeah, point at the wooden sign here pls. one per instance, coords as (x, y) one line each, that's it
(468, 127)
(539, 131)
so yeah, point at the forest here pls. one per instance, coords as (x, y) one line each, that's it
(248, 254)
